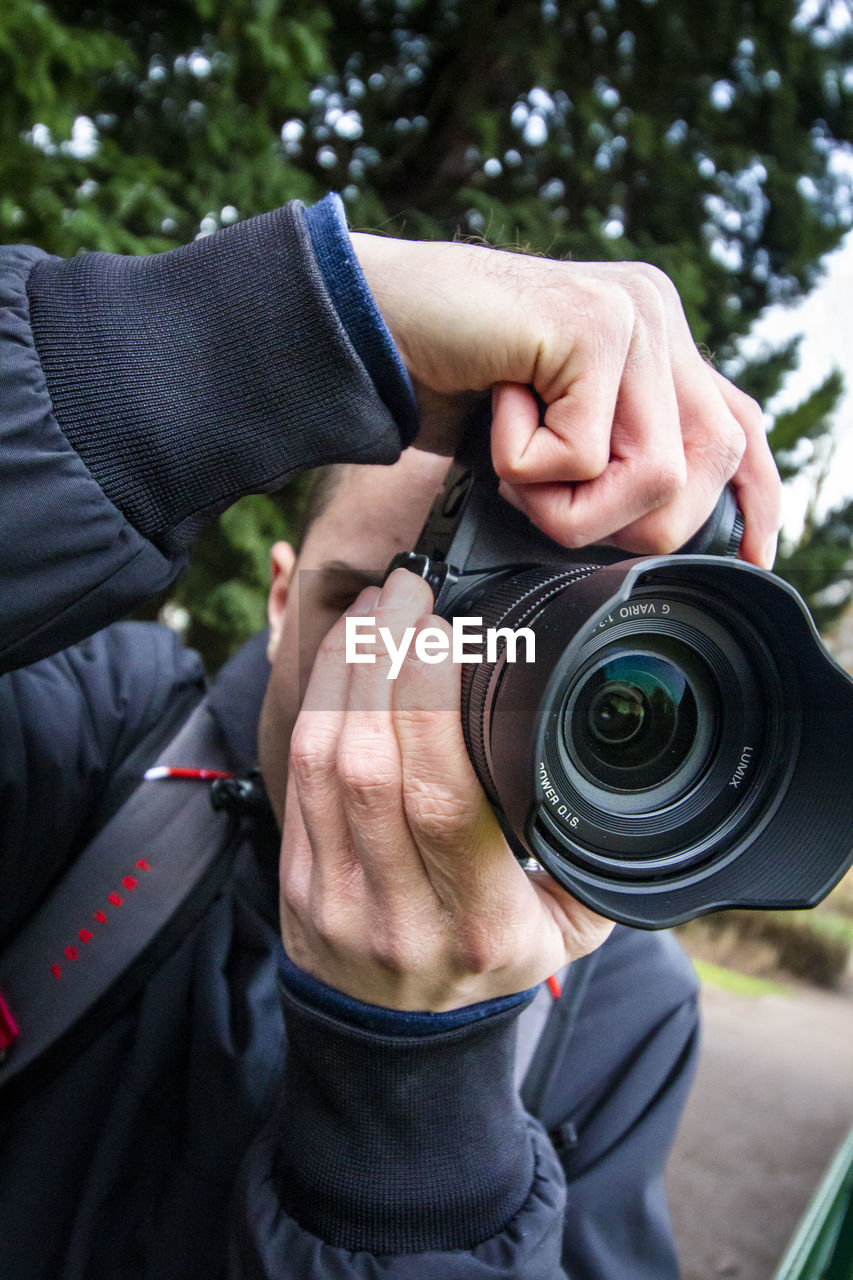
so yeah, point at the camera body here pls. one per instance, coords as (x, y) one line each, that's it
(682, 742)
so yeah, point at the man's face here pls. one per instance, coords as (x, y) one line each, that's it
(374, 512)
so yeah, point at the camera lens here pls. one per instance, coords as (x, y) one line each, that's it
(616, 713)
(631, 720)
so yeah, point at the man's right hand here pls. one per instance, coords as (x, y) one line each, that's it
(640, 434)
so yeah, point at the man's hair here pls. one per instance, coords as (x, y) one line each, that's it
(318, 489)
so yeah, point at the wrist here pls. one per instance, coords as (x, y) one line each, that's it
(393, 270)
(381, 1019)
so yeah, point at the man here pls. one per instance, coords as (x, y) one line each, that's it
(612, 1094)
(139, 396)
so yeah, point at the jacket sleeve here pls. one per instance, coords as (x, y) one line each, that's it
(405, 1157)
(68, 724)
(140, 396)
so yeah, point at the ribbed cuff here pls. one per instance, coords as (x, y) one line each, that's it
(393, 1022)
(368, 332)
(400, 1143)
(185, 379)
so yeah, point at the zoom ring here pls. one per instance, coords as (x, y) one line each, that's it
(513, 603)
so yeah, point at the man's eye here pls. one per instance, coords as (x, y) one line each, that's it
(339, 588)
(338, 602)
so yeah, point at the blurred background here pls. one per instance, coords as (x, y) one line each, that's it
(713, 140)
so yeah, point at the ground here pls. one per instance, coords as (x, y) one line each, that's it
(773, 1099)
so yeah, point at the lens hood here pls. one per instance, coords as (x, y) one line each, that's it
(735, 788)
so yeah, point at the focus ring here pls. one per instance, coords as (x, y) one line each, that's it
(513, 603)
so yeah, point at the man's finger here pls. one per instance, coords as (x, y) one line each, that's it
(646, 469)
(579, 378)
(312, 770)
(369, 771)
(572, 443)
(756, 481)
(450, 819)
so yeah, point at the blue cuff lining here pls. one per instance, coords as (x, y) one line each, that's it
(343, 277)
(389, 1022)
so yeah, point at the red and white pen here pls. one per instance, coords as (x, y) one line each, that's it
(172, 771)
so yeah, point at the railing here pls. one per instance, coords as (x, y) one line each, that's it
(822, 1247)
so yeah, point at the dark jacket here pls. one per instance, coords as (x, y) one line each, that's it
(188, 1138)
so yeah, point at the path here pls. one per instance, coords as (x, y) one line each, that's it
(773, 1099)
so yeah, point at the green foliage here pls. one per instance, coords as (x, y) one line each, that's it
(819, 567)
(818, 562)
(764, 374)
(124, 127)
(740, 984)
(698, 137)
(800, 943)
(806, 422)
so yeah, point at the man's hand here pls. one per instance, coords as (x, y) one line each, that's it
(640, 434)
(397, 886)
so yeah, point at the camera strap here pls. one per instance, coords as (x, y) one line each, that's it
(125, 901)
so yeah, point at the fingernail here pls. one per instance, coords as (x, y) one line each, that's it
(402, 588)
(365, 602)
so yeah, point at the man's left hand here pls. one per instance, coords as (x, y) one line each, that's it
(397, 886)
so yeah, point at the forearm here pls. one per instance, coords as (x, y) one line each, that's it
(142, 395)
(399, 1155)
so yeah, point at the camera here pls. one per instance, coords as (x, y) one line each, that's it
(681, 743)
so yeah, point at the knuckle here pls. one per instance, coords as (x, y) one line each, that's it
(597, 309)
(293, 891)
(612, 312)
(309, 756)
(330, 923)
(664, 478)
(724, 448)
(661, 532)
(652, 284)
(510, 467)
(436, 817)
(478, 948)
(751, 413)
(295, 880)
(648, 298)
(662, 538)
(394, 955)
(557, 525)
(473, 955)
(591, 454)
(367, 777)
(732, 448)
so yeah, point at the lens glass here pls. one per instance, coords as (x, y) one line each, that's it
(616, 713)
(631, 721)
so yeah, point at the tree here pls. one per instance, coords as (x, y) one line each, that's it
(817, 562)
(702, 138)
